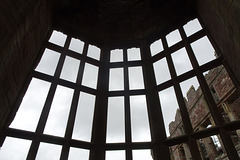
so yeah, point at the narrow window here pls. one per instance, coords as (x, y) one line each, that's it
(31, 107)
(139, 119)
(115, 120)
(58, 116)
(84, 117)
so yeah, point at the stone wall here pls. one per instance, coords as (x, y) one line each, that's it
(24, 26)
(222, 21)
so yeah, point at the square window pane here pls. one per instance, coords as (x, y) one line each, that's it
(156, 47)
(48, 151)
(78, 154)
(161, 71)
(173, 38)
(135, 78)
(58, 116)
(58, 38)
(70, 69)
(116, 79)
(14, 149)
(115, 155)
(93, 52)
(90, 76)
(48, 62)
(192, 27)
(181, 61)
(76, 45)
(31, 107)
(203, 50)
(115, 120)
(171, 113)
(134, 54)
(84, 117)
(116, 55)
(142, 154)
(139, 119)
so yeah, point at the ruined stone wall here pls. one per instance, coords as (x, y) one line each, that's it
(217, 78)
(24, 25)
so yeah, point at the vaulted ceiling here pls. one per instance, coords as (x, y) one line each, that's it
(119, 21)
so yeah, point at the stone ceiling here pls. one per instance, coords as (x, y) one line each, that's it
(119, 21)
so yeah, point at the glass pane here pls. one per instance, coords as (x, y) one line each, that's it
(136, 78)
(84, 117)
(116, 79)
(134, 54)
(224, 93)
(115, 155)
(14, 149)
(203, 50)
(139, 119)
(143, 154)
(173, 38)
(93, 52)
(195, 103)
(58, 38)
(181, 61)
(116, 55)
(115, 120)
(192, 27)
(70, 69)
(171, 113)
(180, 151)
(58, 116)
(76, 45)
(156, 47)
(31, 107)
(78, 154)
(90, 76)
(161, 71)
(48, 62)
(48, 151)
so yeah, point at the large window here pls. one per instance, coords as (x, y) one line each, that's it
(171, 97)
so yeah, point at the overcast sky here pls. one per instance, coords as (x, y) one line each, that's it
(30, 109)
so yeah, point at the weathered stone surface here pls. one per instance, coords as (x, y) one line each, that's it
(24, 26)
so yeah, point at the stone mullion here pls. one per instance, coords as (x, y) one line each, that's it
(182, 106)
(100, 114)
(47, 106)
(158, 133)
(73, 110)
(128, 135)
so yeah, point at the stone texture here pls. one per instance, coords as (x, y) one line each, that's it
(23, 29)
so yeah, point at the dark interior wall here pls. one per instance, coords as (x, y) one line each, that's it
(24, 25)
(222, 19)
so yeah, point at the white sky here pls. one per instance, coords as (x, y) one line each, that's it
(32, 104)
